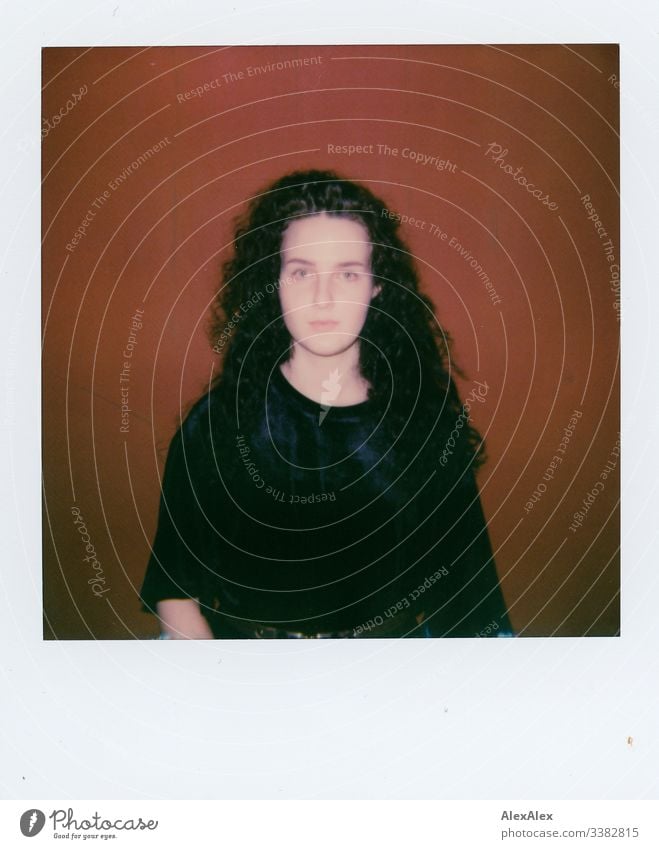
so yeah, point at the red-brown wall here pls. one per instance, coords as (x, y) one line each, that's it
(549, 346)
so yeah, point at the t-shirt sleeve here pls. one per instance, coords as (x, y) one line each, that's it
(175, 566)
(465, 599)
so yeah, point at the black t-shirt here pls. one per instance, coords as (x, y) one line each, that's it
(310, 522)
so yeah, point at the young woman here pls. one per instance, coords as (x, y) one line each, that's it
(324, 486)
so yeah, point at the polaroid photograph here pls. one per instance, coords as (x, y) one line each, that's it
(331, 342)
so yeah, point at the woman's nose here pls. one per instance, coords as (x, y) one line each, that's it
(323, 287)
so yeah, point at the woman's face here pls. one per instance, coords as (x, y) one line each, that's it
(325, 284)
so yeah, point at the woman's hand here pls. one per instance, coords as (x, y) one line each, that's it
(182, 619)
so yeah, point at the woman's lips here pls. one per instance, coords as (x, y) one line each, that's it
(323, 324)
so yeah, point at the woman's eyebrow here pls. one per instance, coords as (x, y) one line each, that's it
(345, 264)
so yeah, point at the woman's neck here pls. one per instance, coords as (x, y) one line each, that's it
(332, 381)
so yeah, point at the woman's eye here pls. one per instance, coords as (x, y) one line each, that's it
(300, 274)
(350, 275)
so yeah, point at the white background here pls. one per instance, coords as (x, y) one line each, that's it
(439, 719)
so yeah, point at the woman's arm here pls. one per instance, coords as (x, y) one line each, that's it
(466, 601)
(182, 619)
(173, 582)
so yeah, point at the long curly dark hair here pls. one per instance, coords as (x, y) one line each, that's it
(404, 353)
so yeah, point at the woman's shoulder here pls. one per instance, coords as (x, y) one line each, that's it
(209, 410)
(201, 423)
(195, 448)
(197, 415)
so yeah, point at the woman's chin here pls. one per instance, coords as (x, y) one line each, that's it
(327, 344)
